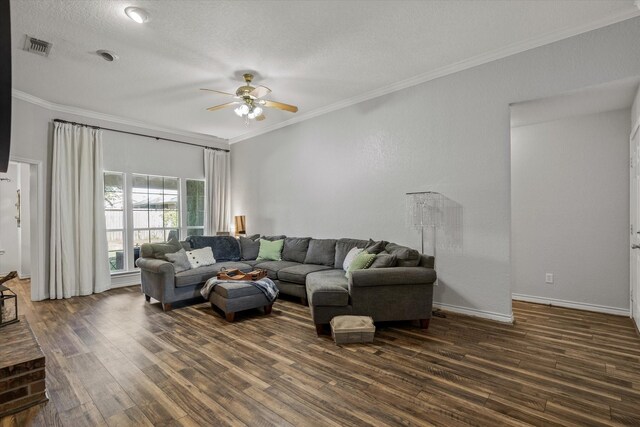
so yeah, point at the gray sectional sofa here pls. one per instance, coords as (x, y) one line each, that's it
(310, 269)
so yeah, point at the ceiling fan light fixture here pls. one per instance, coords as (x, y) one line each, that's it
(137, 14)
(257, 110)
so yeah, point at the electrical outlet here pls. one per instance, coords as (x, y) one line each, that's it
(548, 278)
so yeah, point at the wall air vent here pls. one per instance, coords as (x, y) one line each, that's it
(37, 46)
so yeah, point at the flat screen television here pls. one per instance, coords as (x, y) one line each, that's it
(5, 85)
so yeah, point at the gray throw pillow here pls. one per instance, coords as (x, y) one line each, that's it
(321, 252)
(375, 247)
(185, 245)
(295, 248)
(159, 250)
(407, 257)
(179, 260)
(384, 261)
(249, 247)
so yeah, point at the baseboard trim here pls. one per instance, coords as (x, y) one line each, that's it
(572, 304)
(490, 315)
(125, 279)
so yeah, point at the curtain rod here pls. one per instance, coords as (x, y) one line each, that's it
(140, 134)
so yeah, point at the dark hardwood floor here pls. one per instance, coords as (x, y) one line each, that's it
(113, 359)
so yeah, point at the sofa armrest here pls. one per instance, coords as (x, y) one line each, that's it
(156, 265)
(392, 276)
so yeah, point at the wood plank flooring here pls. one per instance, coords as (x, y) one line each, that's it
(113, 359)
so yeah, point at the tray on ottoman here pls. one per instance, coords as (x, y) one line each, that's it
(352, 329)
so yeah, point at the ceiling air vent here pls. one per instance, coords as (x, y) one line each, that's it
(34, 45)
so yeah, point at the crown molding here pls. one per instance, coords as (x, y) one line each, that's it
(509, 50)
(23, 96)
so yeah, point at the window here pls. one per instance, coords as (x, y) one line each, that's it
(114, 216)
(148, 209)
(155, 203)
(195, 208)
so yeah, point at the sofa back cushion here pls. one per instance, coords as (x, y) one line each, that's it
(321, 252)
(249, 247)
(295, 248)
(343, 246)
(225, 248)
(406, 257)
(374, 247)
(274, 238)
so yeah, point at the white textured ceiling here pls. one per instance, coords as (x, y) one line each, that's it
(313, 54)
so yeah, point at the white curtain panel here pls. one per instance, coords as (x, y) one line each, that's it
(217, 175)
(78, 257)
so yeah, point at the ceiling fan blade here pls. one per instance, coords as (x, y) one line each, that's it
(280, 105)
(260, 91)
(219, 107)
(219, 91)
(261, 117)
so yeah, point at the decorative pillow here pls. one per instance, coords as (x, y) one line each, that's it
(295, 248)
(200, 257)
(321, 252)
(159, 250)
(249, 247)
(185, 245)
(180, 260)
(407, 257)
(270, 251)
(384, 260)
(351, 255)
(362, 261)
(375, 247)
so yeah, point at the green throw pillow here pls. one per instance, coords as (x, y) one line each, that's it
(363, 260)
(270, 251)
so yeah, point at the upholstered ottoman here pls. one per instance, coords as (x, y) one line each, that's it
(232, 297)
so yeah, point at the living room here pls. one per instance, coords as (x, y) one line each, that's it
(391, 100)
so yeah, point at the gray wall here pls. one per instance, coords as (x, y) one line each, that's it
(345, 173)
(570, 209)
(31, 138)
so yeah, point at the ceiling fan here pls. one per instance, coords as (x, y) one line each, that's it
(248, 103)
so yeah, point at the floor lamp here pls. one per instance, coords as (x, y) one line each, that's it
(425, 210)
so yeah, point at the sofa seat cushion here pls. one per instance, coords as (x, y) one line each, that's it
(200, 275)
(273, 267)
(238, 289)
(298, 273)
(328, 288)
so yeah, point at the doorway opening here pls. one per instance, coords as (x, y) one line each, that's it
(570, 187)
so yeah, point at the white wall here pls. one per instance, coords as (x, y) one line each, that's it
(570, 210)
(31, 138)
(9, 232)
(345, 173)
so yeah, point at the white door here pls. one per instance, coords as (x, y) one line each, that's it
(634, 204)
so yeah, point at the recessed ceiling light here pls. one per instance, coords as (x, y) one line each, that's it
(137, 14)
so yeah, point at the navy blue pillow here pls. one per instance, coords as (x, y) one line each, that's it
(225, 248)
